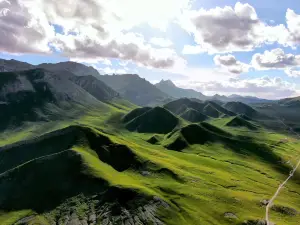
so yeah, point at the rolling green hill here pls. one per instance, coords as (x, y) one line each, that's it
(193, 116)
(191, 106)
(155, 120)
(238, 121)
(241, 108)
(102, 160)
(101, 172)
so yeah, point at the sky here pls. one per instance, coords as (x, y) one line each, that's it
(227, 47)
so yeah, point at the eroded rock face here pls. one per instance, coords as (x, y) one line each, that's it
(285, 210)
(104, 214)
(230, 215)
(264, 202)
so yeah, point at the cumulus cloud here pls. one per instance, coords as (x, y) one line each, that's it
(293, 24)
(275, 59)
(23, 29)
(156, 13)
(293, 72)
(161, 42)
(127, 47)
(264, 87)
(92, 30)
(230, 63)
(110, 71)
(231, 29)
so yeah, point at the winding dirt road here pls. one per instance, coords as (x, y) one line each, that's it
(278, 191)
(289, 177)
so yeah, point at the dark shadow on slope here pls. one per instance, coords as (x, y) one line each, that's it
(199, 134)
(221, 109)
(193, 116)
(52, 181)
(135, 113)
(42, 184)
(240, 122)
(245, 117)
(178, 144)
(120, 157)
(215, 129)
(154, 140)
(241, 108)
(179, 106)
(211, 111)
(157, 120)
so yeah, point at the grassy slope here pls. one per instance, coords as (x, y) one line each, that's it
(210, 179)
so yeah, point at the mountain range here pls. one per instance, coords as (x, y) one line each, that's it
(80, 148)
(129, 86)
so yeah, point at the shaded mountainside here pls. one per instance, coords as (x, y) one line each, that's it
(34, 95)
(172, 90)
(68, 67)
(193, 116)
(95, 87)
(179, 106)
(241, 108)
(75, 68)
(211, 111)
(135, 113)
(208, 108)
(155, 120)
(207, 134)
(67, 183)
(290, 102)
(14, 65)
(241, 122)
(239, 98)
(273, 114)
(195, 134)
(135, 89)
(221, 109)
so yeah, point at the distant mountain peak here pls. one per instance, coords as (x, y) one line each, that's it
(167, 82)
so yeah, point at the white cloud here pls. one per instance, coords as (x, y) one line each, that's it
(127, 47)
(293, 23)
(161, 42)
(228, 29)
(23, 28)
(293, 72)
(264, 87)
(156, 13)
(110, 71)
(275, 59)
(92, 29)
(230, 63)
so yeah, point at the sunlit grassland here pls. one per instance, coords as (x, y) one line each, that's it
(209, 181)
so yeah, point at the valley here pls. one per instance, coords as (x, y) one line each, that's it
(74, 149)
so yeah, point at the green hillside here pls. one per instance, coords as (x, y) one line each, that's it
(118, 164)
(241, 108)
(238, 121)
(156, 120)
(193, 116)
